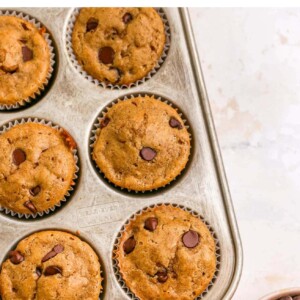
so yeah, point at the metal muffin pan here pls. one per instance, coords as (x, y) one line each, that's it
(96, 209)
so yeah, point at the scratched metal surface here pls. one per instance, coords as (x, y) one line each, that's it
(96, 209)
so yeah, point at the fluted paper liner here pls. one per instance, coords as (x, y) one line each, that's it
(39, 93)
(7, 211)
(111, 86)
(96, 129)
(115, 263)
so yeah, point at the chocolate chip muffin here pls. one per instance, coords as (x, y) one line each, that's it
(142, 144)
(166, 253)
(24, 60)
(51, 265)
(37, 167)
(118, 45)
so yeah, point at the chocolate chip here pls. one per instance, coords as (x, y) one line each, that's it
(174, 123)
(24, 26)
(16, 257)
(38, 271)
(52, 270)
(49, 255)
(106, 55)
(127, 18)
(18, 156)
(56, 249)
(162, 276)
(27, 53)
(147, 153)
(30, 206)
(91, 24)
(34, 191)
(191, 239)
(129, 245)
(104, 122)
(151, 223)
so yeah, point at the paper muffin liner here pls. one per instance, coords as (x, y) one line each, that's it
(96, 130)
(76, 234)
(40, 92)
(111, 86)
(67, 196)
(116, 245)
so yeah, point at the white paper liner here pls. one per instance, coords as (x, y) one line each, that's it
(11, 124)
(48, 38)
(111, 86)
(96, 127)
(115, 263)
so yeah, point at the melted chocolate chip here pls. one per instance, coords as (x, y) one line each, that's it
(91, 24)
(129, 245)
(56, 250)
(104, 122)
(127, 18)
(147, 153)
(24, 26)
(18, 156)
(151, 223)
(35, 191)
(106, 55)
(27, 53)
(174, 123)
(49, 255)
(16, 257)
(30, 206)
(52, 270)
(162, 276)
(38, 271)
(191, 239)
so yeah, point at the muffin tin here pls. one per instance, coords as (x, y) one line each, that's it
(97, 210)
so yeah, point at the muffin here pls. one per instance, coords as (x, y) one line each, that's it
(118, 45)
(142, 144)
(166, 253)
(37, 167)
(51, 265)
(24, 60)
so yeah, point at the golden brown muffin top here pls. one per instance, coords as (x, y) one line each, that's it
(37, 167)
(51, 265)
(24, 60)
(166, 253)
(142, 144)
(118, 45)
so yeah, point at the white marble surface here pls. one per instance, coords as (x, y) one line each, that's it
(251, 64)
